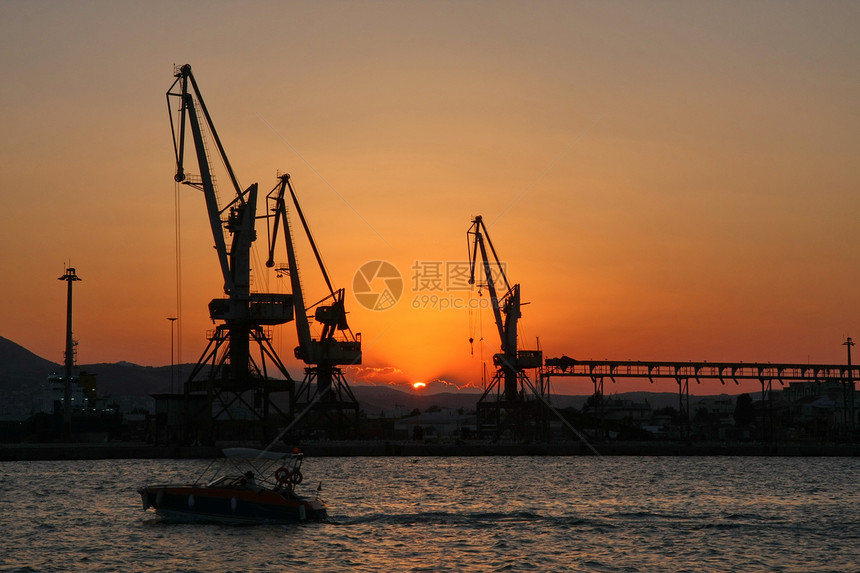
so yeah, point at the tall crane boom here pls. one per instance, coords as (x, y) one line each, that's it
(479, 231)
(242, 208)
(326, 350)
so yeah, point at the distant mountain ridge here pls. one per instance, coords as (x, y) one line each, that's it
(377, 399)
(20, 369)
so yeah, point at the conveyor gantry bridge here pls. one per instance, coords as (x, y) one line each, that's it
(683, 372)
(721, 371)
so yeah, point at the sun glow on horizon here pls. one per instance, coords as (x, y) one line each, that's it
(636, 278)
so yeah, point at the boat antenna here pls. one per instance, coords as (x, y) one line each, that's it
(303, 413)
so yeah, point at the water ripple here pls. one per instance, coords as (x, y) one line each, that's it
(455, 514)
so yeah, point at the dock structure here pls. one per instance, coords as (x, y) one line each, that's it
(724, 372)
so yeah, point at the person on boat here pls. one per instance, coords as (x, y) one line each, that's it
(250, 482)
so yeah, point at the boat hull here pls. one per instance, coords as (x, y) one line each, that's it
(229, 505)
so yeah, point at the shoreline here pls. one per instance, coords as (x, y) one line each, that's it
(90, 451)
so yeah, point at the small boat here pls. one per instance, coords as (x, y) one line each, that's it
(253, 486)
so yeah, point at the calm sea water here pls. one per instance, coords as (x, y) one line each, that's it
(455, 514)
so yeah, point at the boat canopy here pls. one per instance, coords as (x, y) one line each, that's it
(253, 454)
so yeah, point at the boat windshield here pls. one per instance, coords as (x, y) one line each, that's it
(270, 470)
(224, 481)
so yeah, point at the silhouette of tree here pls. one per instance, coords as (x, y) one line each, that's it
(744, 412)
(593, 401)
(417, 433)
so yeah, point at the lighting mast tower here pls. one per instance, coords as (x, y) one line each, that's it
(324, 391)
(235, 382)
(70, 277)
(848, 395)
(506, 403)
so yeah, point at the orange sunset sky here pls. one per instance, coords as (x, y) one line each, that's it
(666, 180)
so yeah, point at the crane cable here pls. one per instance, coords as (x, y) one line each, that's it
(476, 328)
(481, 349)
(178, 265)
(473, 312)
(471, 324)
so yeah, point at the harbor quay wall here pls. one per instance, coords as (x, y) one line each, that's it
(88, 451)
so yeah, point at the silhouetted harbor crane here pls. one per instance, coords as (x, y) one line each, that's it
(324, 392)
(236, 384)
(510, 402)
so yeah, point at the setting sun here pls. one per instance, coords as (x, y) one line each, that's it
(418, 385)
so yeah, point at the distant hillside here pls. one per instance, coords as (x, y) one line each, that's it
(376, 399)
(19, 367)
(126, 379)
